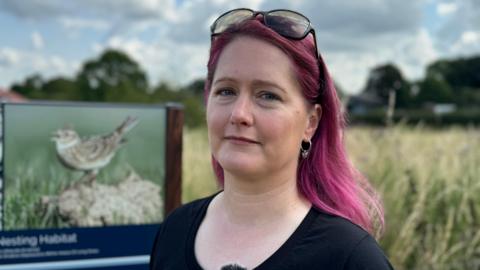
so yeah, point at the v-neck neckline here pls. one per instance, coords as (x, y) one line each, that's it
(272, 262)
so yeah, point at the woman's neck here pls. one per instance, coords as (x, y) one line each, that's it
(260, 202)
(249, 209)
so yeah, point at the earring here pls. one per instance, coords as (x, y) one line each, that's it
(305, 148)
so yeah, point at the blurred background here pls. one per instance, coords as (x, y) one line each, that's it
(407, 71)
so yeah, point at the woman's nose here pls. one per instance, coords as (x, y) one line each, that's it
(242, 111)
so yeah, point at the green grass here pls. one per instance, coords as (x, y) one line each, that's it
(41, 175)
(32, 171)
(428, 180)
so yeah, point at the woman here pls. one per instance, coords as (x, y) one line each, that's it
(290, 198)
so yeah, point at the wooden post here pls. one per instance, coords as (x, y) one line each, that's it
(173, 158)
(391, 107)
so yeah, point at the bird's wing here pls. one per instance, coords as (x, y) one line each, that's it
(96, 148)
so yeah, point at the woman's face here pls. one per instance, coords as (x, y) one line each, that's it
(256, 113)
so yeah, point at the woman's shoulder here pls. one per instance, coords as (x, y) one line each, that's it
(173, 235)
(341, 244)
(338, 229)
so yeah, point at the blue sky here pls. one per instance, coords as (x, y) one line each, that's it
(170, 39)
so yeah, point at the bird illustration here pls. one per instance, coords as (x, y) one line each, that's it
(90, 154)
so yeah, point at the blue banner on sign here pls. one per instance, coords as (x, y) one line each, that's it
(79, 248)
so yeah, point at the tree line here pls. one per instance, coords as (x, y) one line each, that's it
(454, 81)
(115, 77)
(448, 94)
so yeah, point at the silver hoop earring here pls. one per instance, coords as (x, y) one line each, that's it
(305, 148)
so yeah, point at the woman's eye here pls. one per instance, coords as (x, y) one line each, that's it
(225, 92)
(269, 96)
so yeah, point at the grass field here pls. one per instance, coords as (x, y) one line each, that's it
(428, 179)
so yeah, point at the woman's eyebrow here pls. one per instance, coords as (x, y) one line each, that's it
(268, 83)
(253, 82)
(224, 79)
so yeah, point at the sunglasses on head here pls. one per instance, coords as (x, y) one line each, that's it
(287, 23)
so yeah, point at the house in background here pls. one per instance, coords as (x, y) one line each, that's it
(11, 96)
(363, 103)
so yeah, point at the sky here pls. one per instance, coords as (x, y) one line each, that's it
(170, 38)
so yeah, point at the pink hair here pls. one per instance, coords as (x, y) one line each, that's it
(326, 178)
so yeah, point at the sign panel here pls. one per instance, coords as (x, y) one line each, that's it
(84, 185)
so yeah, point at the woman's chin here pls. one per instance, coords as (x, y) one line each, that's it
(241, 166)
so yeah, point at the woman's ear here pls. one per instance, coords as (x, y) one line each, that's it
(314, 116)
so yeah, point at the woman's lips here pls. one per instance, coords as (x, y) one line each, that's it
(241, 140)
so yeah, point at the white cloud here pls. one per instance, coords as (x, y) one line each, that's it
(349, 70)
(48, 65)
(16, 65)
(458, 36)
(469, 37)
(416, 52)
(467, 44)
(58, 63)
(189, 39)
(410, 52)
(361, 19)
(130, 10)
(444, 9)
(37, 40)
(164, 60)
(170, 39)
(34, 9)
(8, 57)
(127, 9)
(70, 23)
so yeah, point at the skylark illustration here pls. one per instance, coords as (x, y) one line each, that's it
(90, 154)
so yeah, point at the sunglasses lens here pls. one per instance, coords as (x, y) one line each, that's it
(230, 18)
(288, 23)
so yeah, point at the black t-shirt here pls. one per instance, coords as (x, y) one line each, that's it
(321, 241)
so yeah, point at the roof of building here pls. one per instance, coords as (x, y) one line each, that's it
(11, 96)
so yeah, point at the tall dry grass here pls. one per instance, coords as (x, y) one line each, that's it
(429, 183)
(428, 179)
(197, 175)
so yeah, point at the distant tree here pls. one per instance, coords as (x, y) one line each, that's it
(164, 92)
(434, 89)
(194, 112)
(31, 87)
(196, 88)
(195, 103)
(191, 96)
(386, 78)
(114, 76)
(458, 73)
(61, 89)
(462, 75)
(467, 97)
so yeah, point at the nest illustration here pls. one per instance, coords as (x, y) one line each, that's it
(132, 200)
